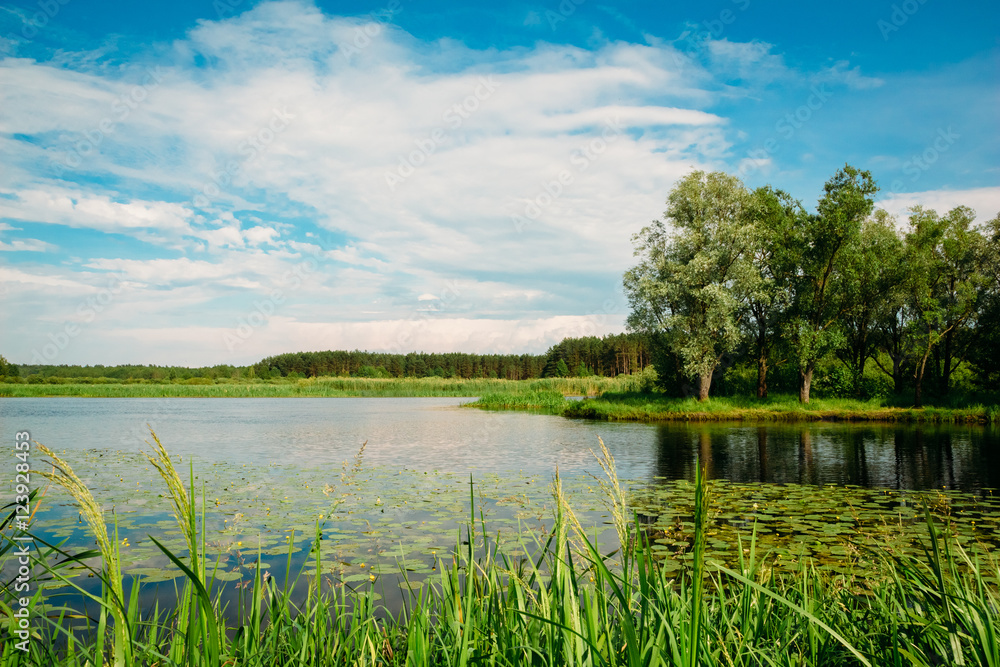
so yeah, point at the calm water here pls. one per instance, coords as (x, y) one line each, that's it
(291, 447)
(435, 434)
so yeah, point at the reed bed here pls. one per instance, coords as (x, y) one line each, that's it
(571, 604)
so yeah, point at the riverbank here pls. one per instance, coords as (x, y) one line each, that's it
(651, 407)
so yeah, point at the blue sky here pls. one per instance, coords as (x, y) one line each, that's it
(214, 182)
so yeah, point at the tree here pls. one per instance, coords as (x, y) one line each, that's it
(562, 370)
(684, 284)
(872, 273)
(766, 289)
(821, 241)
(7, 368)
(947, 260)
(983, 355)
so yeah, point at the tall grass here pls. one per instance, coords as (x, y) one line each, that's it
(569, 604)
(548, 401)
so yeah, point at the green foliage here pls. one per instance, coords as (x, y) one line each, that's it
(683, 284)
(549, 401)
(372, 372)
(7, 368)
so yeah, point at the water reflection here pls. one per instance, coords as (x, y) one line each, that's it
(890, 456)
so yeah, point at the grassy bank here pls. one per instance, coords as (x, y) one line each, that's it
(572, 606)
(322, 386)
(651, 407)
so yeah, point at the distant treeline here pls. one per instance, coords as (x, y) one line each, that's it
(608, 356)
(125, 373)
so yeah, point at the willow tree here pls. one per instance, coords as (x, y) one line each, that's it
(949, 264)
(873, 275)
(822, 242)
(766, 292)
(686, 283)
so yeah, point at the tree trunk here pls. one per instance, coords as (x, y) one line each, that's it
(919, 377)
(704, 384)
(805, 382)
(762, 377)
(947, 354)
(861, 362)
(897, 373)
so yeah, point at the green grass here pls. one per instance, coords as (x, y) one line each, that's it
(547, 401)
(570, 605)
(324, 386)
(617, 405)
(655, 407)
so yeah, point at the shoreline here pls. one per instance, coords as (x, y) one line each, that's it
(657, 409)
(597, 399)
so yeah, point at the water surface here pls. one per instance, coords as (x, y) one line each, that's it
(434, 434)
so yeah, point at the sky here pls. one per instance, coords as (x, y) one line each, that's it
(213, 182)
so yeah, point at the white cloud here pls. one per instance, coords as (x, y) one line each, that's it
(206, 345)
(75, 208)
(842, 73)
(750, 61)
(26, 245)
(10, 276)
(984, 201)
(167, 271)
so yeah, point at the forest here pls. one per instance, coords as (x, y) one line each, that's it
(609, 356)
(737, 284)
